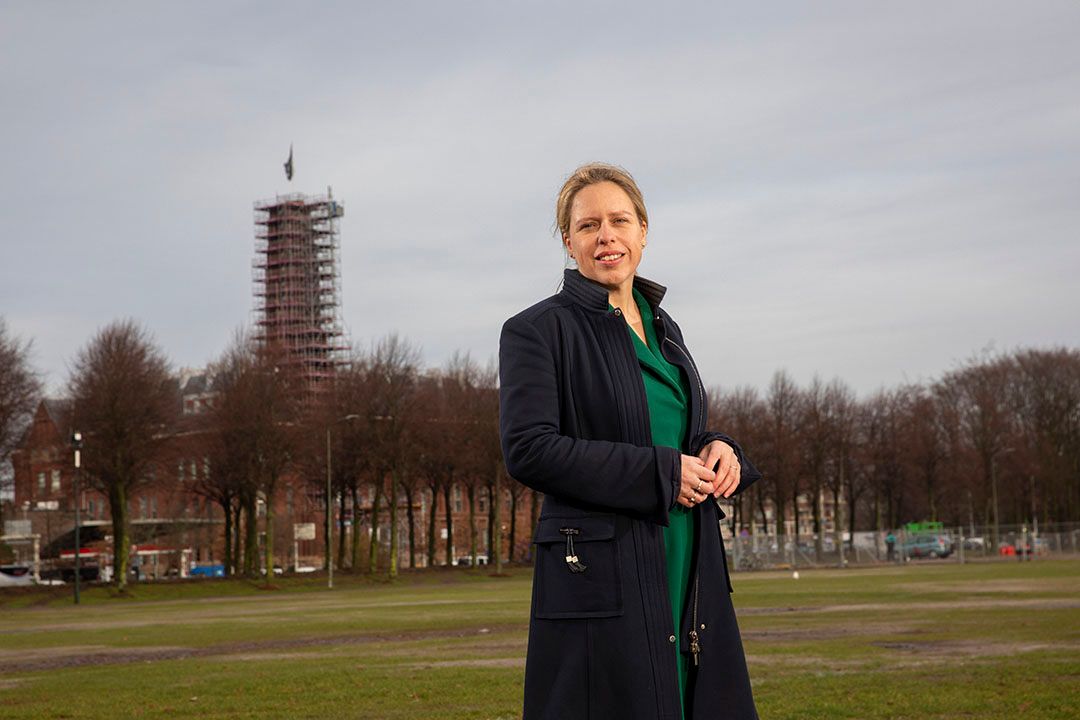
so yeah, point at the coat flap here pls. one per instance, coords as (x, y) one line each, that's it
(583, 528)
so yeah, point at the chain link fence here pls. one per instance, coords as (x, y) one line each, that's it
(919, 542)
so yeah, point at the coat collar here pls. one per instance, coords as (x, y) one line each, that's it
(594, 296)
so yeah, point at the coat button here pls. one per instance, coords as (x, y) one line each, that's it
(618, 312)
(671, 639)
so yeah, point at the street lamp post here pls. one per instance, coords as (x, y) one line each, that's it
(330, 505)
(994, 493)
(329, 518)
(76, 441)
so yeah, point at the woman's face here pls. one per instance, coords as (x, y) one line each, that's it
(606, 237)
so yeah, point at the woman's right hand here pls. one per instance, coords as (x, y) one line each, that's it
(698, 481)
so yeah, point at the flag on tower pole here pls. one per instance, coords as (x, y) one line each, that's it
(289, 165)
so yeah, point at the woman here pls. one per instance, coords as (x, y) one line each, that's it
(603, 411)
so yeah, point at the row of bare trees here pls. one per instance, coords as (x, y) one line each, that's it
(994, 441)
(390, 432)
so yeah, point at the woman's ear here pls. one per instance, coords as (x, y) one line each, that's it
(566, 244)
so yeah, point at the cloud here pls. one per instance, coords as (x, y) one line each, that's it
(863, 191)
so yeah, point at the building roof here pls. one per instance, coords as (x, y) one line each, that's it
(59, 411)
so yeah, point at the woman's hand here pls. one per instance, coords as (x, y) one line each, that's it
(697, 481)
(719, 457)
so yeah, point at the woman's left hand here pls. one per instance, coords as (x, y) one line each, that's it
(719, 456)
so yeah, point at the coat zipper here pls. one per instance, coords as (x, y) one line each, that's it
(695, 640)
(695, 645)
(697, 379)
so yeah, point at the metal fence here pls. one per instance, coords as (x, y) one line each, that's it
(946, 545)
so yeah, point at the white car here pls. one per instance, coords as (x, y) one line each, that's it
(15, 581)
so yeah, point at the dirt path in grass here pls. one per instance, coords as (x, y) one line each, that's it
(1027, 603)
(152, 615)
(54, 658)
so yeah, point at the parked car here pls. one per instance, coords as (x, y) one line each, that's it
(208, 571)
(15, 571)
(927, 546)
(977, 544)
(11, 576)
(466, 560)
(1028, 547)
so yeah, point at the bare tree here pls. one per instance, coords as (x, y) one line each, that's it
(1045, 397)
(273, 403)
(741, 414)
(354, 468)
(445, 450)
(394, 369)
(885, 456)
(923, 436)
(223, 441)
(221, 481)
(232, 451)
(978, 393)
(815, 446)
(337, 424)
(779, 464)
(123, 402)
(20, 391)
(842, 446)
(485, 431)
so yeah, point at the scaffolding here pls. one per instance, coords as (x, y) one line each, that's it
(297, 283)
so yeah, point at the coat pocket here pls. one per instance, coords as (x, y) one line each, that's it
(577, 568)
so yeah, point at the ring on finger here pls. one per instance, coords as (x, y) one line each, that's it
(698, 485)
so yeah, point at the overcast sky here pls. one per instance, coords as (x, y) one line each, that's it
(871, 191)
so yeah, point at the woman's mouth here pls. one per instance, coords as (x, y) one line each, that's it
(610, 258)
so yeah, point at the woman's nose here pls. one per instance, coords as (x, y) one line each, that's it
(605, 233)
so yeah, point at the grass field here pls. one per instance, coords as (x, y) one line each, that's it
(983, 641)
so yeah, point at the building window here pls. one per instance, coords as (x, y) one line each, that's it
(482, 502)
(41, 483)
(90, 508)
(180, 471)
(458, 507)
(142, 507)
(153, 507)
(56, 481)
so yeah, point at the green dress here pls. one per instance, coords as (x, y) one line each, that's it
(668, 394)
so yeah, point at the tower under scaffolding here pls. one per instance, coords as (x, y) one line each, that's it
(297, 282)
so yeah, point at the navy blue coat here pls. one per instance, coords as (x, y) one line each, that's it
(574, 422)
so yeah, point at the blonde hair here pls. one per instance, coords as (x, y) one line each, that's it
(590, 174)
